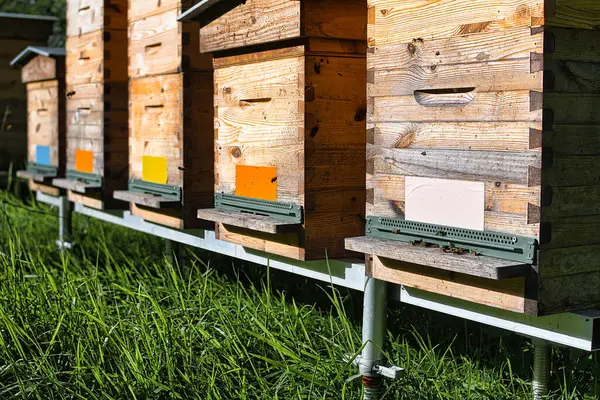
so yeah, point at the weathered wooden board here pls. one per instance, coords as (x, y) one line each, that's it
(434, 257)
(257, 22)
(41, 68)
(85, 16)
(159, 44)
(140, 9)
(508, 294)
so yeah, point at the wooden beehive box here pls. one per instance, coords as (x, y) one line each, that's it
(257, 22)
(290, 128)
(43, 72)
(97, 161)
(485, 116)
(171, 160)
(17, 31)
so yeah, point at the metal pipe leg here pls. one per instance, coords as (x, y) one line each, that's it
(541, 368)
(65, 223)
(374, 327)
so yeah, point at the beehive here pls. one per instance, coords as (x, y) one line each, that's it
(17, 31)
(290, 134)
(256, 22)
(171, 159)
(43, 72)
(97, 92)
(484, 116)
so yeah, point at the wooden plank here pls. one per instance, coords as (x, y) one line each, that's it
(161, 218)
(507, 294)
(507, 45)
(140, 9)
(29, 175)
(145, 199)
(568, 293)
(259, 223)
(49, 190)
(492, 76)
(335, 19)
(483, 267)
(485, 106)
(252, 23)
(155, 45)
(583, 14)
(88, 201)
(75, 186)
(85, 16)
(509, 167)
(283, 244)
(478, 135)
(41, 68)
(399, 21)
(85, 58)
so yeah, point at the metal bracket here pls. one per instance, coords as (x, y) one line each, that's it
(281, 211)
(88, 179)
(492, 244)
(167, 192)
(47, 171)
(385, 371)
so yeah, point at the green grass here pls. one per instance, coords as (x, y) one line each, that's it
(114, 319)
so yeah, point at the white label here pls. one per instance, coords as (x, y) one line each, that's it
(445, 202)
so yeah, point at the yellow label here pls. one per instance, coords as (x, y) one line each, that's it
(256, 182)
(84, 161)
(154, 169)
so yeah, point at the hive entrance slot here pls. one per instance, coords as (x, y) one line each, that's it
(152, 48)
(452, 97)
(256, 100)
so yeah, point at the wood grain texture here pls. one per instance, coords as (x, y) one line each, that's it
(40, 187)
(398, 21)
(305, 115)
(144, 199)
(504, 93)
(286, 245)
(85, 16)
(97, 57)
(160, 45)
(257, 22)
(171, 116)
(468, 264)
(258, 223)
(508, 294)
(140, 9)
(41, 68)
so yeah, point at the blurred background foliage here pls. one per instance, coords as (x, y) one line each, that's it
(57, 8)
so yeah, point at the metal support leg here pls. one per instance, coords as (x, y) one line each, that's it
(65, 221)
(175, 253)
(541, 368)
(374, 326)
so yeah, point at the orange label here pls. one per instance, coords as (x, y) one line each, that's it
(84, 161)
(256, 182)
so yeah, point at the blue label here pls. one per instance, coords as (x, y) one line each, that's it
(42, 155)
